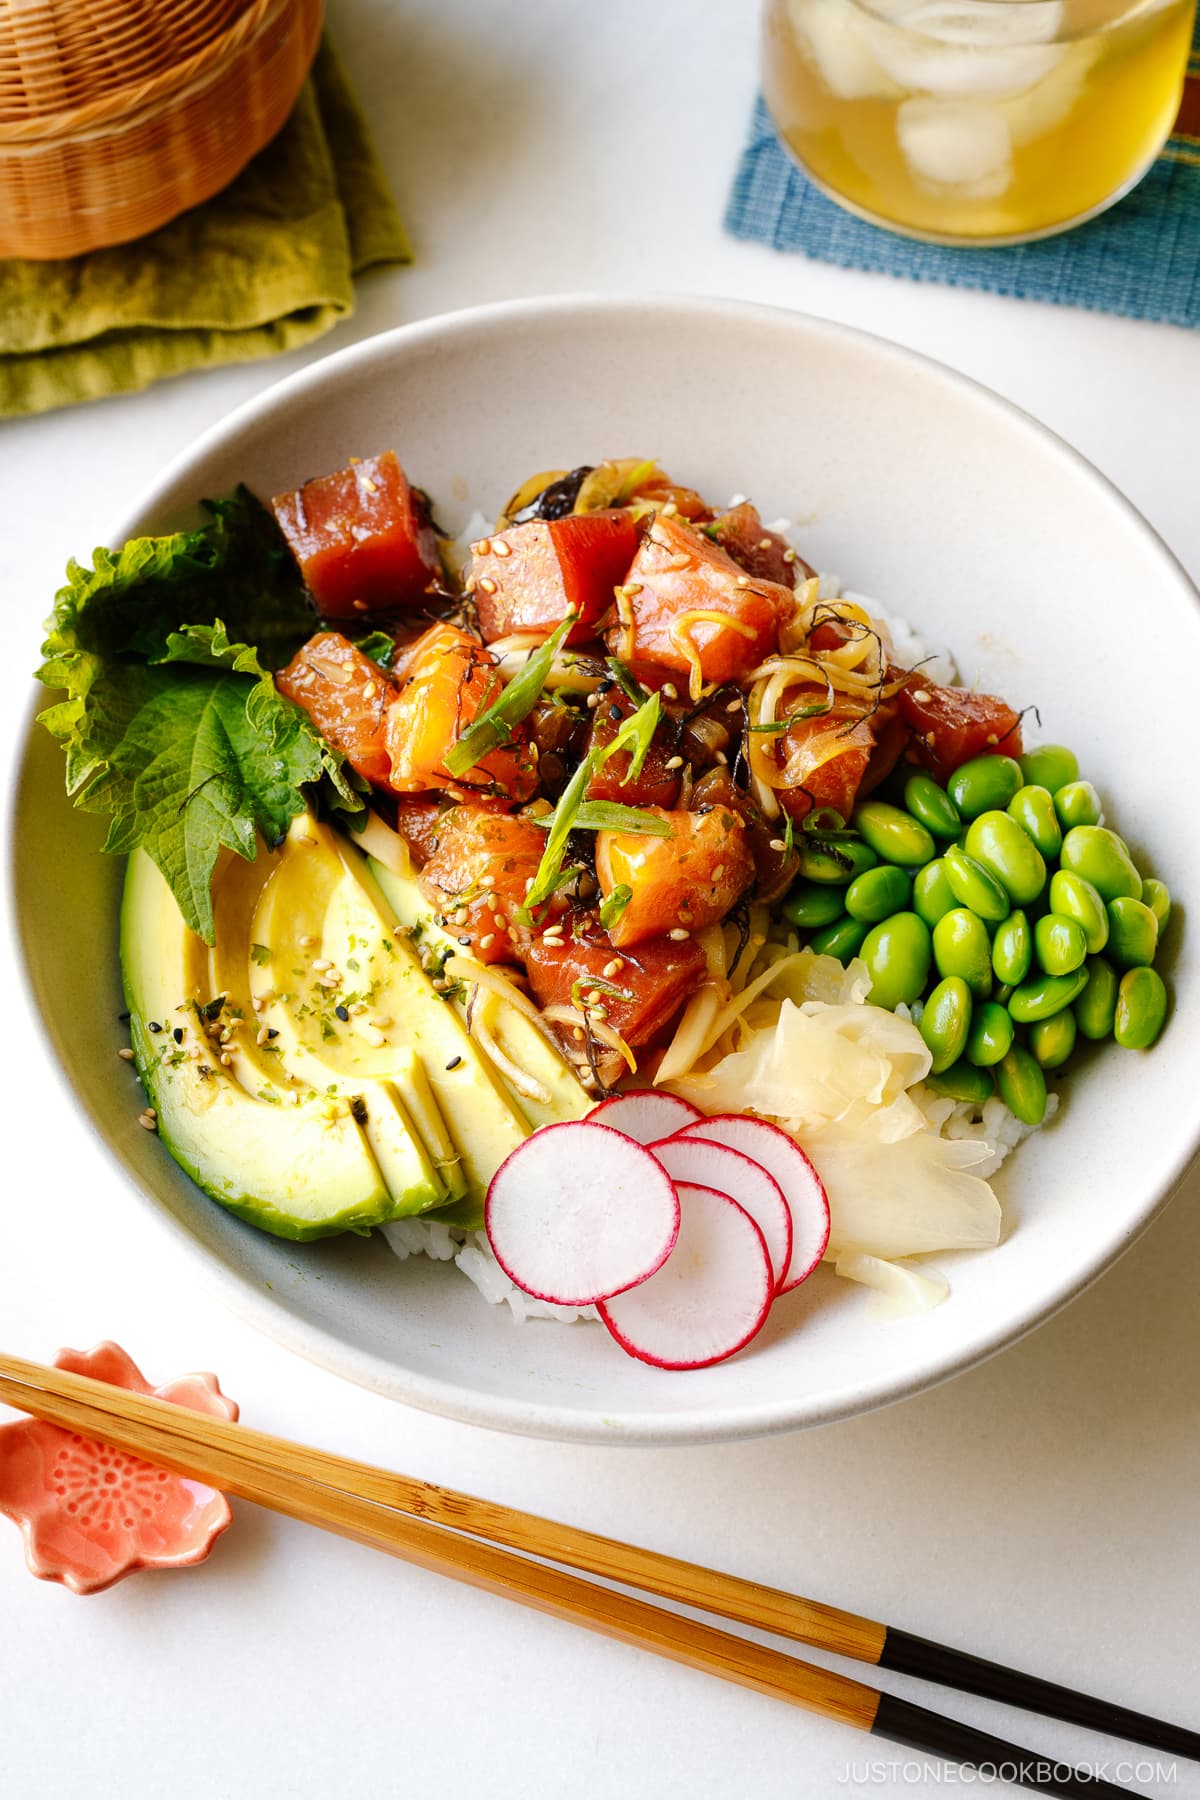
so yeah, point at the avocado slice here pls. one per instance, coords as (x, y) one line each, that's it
(561, 1096)
(296, 1165)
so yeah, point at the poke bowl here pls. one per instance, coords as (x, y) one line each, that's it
(946, 596)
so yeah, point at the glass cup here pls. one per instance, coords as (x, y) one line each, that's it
(975, 121)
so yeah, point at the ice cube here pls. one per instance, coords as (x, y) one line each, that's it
(834, 33)
(991, 48)
(1032, 114)
(957, 143)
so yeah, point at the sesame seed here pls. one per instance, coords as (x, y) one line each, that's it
(493, 899)
(718, 871)
(153, 1025)
(499, 920)
(369, 690)
(789, 556)
(257, 1004)
(440, 985)
(487, 585)
(593, 998)
(674, 762)
(743, 581)
(177, 1034)
(500, 548)
(577, 1033)
(372, 487)
(734, 706)
(307, 941)
(992, 738)
(332, 980)
(263, 1036)
(670, 691)
(321, 963)
(147, 1123)
(764, 543)
(226, 1060)
(360, 605)
(593, 701)
(126, 1054)
(669, 510)
(719, 756)
(679, 934)
(614, 967)
(483, 547)
(384, 1023)
(779, 845)
(922, 696)
(487, 940)
(454, 1062)
(462, 916)
(374, 1036)
(931, 738)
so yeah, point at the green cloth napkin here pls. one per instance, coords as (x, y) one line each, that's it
(265, 266)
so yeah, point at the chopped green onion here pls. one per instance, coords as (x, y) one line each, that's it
(516, 702)
(635, 734)
(588, 984)
(626, 681)
(615, 904)
(771, 725)
(606, 815)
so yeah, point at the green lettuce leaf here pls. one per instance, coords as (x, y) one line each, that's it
(172, 724)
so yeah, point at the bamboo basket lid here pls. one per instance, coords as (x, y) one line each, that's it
(116, 115)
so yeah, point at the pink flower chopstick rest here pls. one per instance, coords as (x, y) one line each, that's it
(91, 1514)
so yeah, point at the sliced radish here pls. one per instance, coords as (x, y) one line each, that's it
(579, 1212)
(708, 1163)
(782, 1157)
(711, 1295)
(644, 1115)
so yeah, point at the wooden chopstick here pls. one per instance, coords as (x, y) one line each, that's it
(323, 1490)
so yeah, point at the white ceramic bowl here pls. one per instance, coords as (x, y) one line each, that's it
(917, 487)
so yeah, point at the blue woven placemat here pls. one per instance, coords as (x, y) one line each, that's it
(1142, 258)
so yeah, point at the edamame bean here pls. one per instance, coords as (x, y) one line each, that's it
(1052, 1040)
(1044, 995)
(1059, 944)
(933, 897)
(1074, 898)
(834, 861)
(961, 947)
(1157, 896)
(963, 1083)
(894, 835)
(1050, 766)
(878, 893)
(1141, 1009)
(932, 805)
(1012, 949)
(1022, 1086)
(1033, 809)
(945, 1022)
(811, 906)
(975, 886)
(844, 939)
(1078, 803)
(1102, 858)
(1008, 852)
(991, 1034)
(984, 783)
(897, 953)
(1132, 932)
(1095, 1008)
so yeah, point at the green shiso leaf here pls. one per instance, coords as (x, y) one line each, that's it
(172, 724)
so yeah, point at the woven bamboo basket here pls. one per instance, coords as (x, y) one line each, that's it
(115, 115)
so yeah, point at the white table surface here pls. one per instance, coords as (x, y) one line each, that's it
(1042, 1510)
